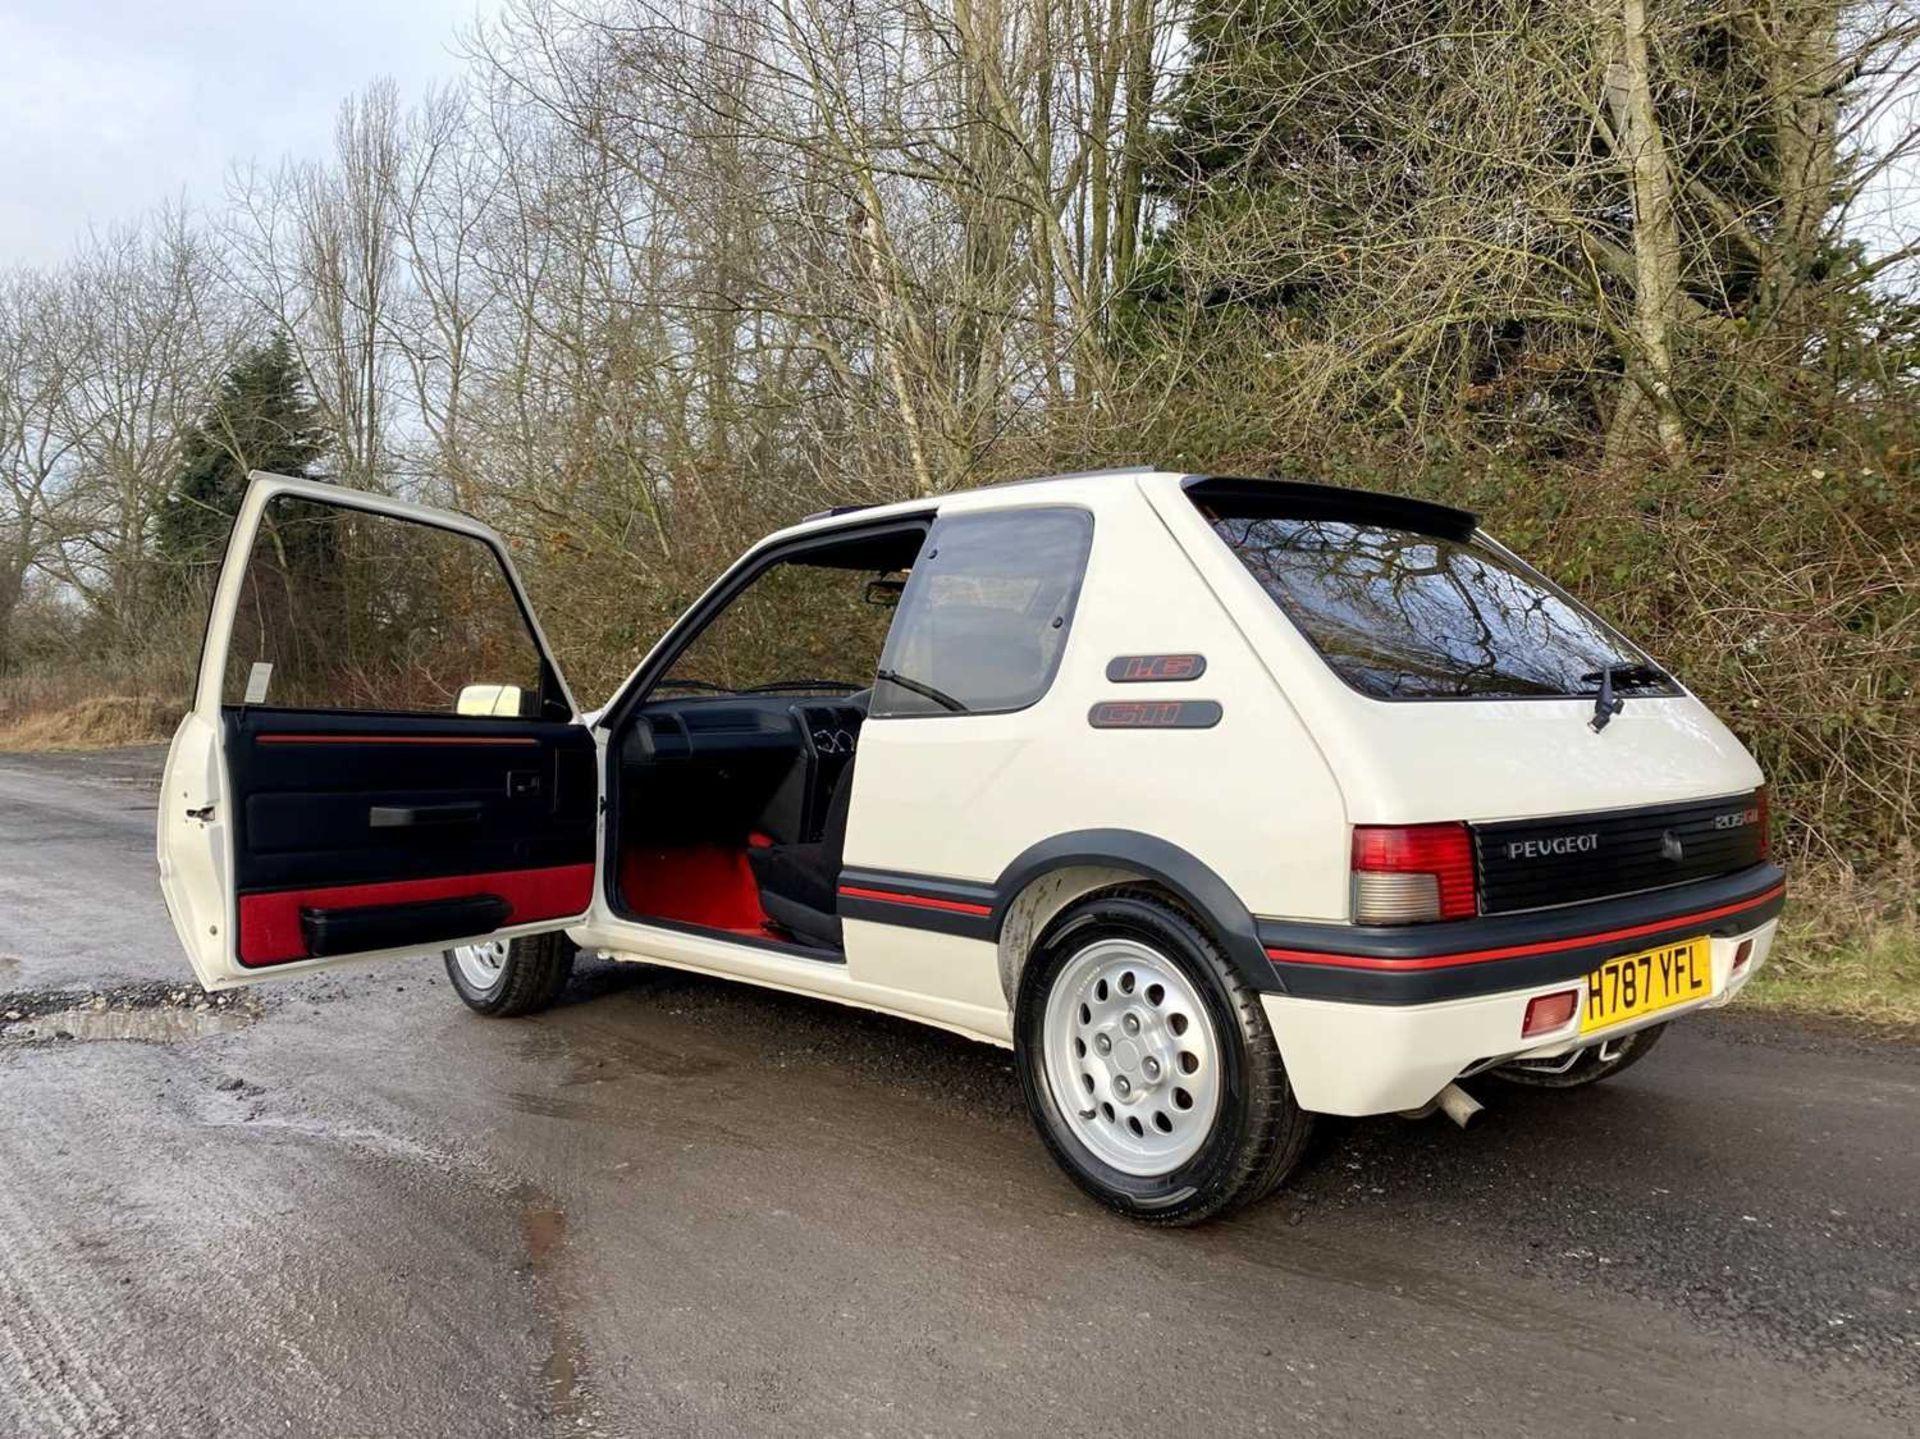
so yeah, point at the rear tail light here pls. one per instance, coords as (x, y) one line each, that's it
(1548, 1012)
(1403, 874)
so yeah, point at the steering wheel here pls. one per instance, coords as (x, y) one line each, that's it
(829, 737)
(828, 729)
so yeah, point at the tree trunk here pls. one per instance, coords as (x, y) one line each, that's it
(1656, 239)
(1134, 137)
(12, 585)
(1804, 75)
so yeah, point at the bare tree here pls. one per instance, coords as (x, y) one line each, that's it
(148, 339)
(36, 353)
(314, 248)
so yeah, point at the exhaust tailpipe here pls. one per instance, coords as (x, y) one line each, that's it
(1459, 1106)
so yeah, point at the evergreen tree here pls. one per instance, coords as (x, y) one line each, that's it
(261, 419)
(1427, 209)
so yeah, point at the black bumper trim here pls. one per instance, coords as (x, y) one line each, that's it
(1419, 964)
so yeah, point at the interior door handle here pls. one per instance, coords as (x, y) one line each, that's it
(409, 816)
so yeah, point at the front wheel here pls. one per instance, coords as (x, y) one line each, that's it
(1148, 1065)
(503, 978)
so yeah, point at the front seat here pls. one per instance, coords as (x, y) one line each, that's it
(799, 883)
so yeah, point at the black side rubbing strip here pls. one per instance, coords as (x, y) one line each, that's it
(979, 911)
(947, 906)
(918, 901)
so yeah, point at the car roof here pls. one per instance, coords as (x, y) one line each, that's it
(1078, 487)
(1091, 487)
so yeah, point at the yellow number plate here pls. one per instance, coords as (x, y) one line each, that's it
(1637, 984)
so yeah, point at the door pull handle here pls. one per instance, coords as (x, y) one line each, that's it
(412, 816)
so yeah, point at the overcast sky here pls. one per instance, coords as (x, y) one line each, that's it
(111, 107)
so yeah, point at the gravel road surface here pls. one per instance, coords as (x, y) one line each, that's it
(346, 1206)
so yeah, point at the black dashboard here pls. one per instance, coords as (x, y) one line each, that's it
(718, 767)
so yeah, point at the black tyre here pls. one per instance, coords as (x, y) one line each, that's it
(1595, 1063)
(1148, 1065)
(505, 978)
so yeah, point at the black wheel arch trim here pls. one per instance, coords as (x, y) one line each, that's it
(1160, 861)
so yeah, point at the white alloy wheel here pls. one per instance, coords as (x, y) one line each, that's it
(1132, 1057)
(481, 964)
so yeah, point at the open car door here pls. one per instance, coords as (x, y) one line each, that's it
(381, 758)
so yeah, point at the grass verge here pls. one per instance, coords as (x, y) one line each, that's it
(1847, 951)
(101, 722)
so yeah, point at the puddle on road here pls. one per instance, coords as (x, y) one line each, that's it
(144, 1013)
(544, 1228)
(153, 1026)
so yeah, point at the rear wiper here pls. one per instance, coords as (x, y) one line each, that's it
(1607, 704)
(925, 691)
(1630, 676)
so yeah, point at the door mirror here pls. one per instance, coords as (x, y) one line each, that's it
(495, 700)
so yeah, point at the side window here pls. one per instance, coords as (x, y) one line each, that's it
(986, 613)
(797, 627)
(344, 609)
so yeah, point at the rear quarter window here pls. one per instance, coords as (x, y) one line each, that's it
(985, 614)
(1403, 614)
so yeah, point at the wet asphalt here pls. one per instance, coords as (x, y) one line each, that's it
(346, 1206)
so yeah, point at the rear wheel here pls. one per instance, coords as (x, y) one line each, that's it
(1148, 1065)
(503, 978)
(1591, 1065)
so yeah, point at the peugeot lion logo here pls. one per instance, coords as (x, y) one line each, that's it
(1671, 848)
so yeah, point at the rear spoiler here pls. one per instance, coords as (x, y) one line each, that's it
(1301, 500)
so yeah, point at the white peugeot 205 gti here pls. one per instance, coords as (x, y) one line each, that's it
(1223, 802)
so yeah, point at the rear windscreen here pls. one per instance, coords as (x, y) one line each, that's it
(1404, 615)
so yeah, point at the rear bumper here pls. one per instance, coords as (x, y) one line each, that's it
(1420, 963)
(1384, 1059)
(1374, 1036)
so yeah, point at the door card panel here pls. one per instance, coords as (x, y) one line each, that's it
(339, 811)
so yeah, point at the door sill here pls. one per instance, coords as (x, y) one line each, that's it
(764, 943)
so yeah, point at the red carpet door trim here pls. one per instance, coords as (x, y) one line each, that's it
(270, 923)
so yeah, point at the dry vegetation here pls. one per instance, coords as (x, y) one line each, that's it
(96, 722)
(1849, 951)
(663, 274)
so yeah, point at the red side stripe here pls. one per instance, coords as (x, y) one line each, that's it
(270, 923)
(916, 901)
(1515, 951)
(391, 739)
